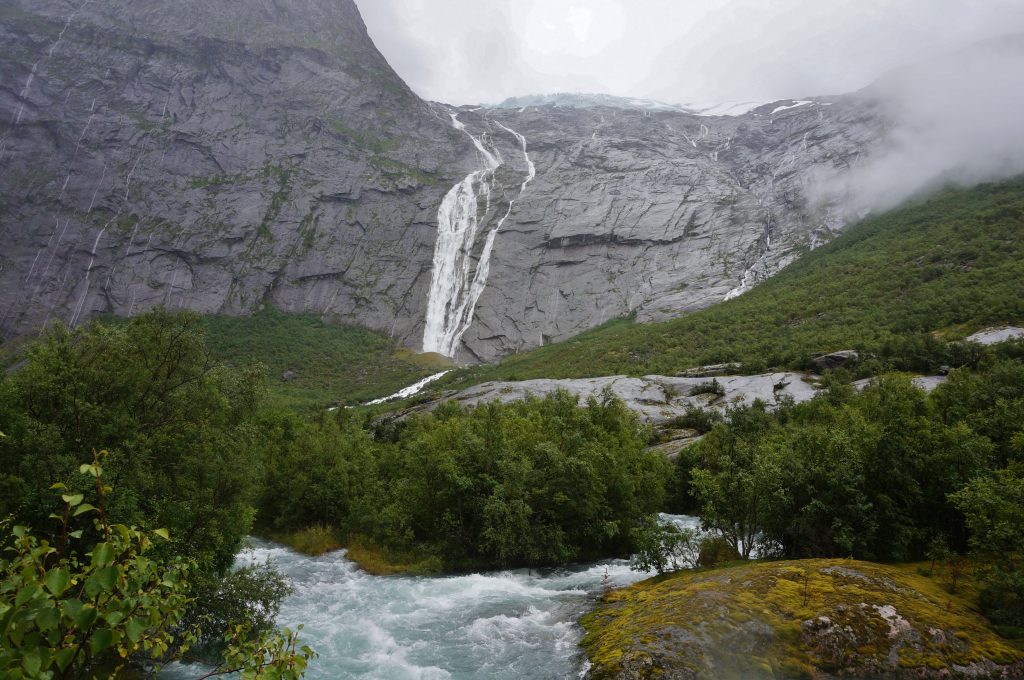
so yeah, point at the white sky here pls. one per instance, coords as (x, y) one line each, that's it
(677, 51)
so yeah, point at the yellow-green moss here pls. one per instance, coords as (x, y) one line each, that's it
(313, 541)
(317, 540)
(374, 560)
(764, 620)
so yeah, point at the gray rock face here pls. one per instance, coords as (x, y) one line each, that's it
(219, 156)
(656, 398)
(994, 336)
(213, 156)
(657, 213)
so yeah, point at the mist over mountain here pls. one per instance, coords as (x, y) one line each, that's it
(952, 120)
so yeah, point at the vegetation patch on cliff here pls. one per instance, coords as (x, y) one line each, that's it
(311, 362)
(794, 619)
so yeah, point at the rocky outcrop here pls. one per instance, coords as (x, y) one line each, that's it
(656, 398)
(994, 336)
(797, 619)
(222, 156)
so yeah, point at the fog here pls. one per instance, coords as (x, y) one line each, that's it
(676, 51)
(954, 120)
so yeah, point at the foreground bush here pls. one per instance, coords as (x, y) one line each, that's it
(75, 610)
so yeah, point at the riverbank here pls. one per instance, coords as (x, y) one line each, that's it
(795, 619)
(320, 540)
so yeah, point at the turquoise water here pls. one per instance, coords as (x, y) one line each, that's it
(511, 624)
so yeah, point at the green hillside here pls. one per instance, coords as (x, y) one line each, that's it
(311, 363)
(890, 286)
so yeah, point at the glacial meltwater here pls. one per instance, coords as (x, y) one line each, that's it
(509, 624)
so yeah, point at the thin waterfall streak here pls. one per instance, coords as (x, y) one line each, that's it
(67, 25)
(32, 269)
(23, 97)
(49, 262)
(103, 175)
(74, 156)
(128, 179)
(88, 273)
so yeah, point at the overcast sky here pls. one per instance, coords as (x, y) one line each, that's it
(677, 51)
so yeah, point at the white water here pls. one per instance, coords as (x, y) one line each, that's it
(497, 625)
(458, 220)
(409, 391)
(455, 286)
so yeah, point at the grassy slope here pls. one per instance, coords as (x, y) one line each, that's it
(748, 621)
(332, 363)
(953, 262)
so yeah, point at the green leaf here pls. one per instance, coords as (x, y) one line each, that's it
(31, 663)
(73, 499)
(48, 619)
(86, 617)
(57, 580)
(82, 509)
(134, 629)
(64, 657)
(59, 485)
(72, 608)
(101, 639)
(102, 554)
(76, 534)
(27, 593)
(162, 533)
(107, 577)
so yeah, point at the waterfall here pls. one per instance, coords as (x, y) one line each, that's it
(455, 287)
(458, 221)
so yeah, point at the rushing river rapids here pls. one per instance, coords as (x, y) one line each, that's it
(511, 624)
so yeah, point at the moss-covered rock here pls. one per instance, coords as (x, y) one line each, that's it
(798, 619)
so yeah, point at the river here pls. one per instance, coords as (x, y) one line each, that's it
(509, 624)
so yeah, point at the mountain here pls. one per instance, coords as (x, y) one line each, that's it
(213, 156)
(894, 287)
(223, 157)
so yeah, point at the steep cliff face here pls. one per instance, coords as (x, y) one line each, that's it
(656, 213)
(219, 156)
(213, 156)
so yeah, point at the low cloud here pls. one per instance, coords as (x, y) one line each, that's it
(955, 120)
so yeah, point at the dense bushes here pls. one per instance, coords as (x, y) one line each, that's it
(539, 482)
(850, 474)
(83, 609)
(179, 452)
(888, 473)
(175, 424)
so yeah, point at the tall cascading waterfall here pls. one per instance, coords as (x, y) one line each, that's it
(455, 286)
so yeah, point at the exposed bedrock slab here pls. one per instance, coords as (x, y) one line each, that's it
(656, 398)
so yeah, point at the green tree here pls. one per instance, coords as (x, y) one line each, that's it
(175, 423)
(736, 477)
(994, 508)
